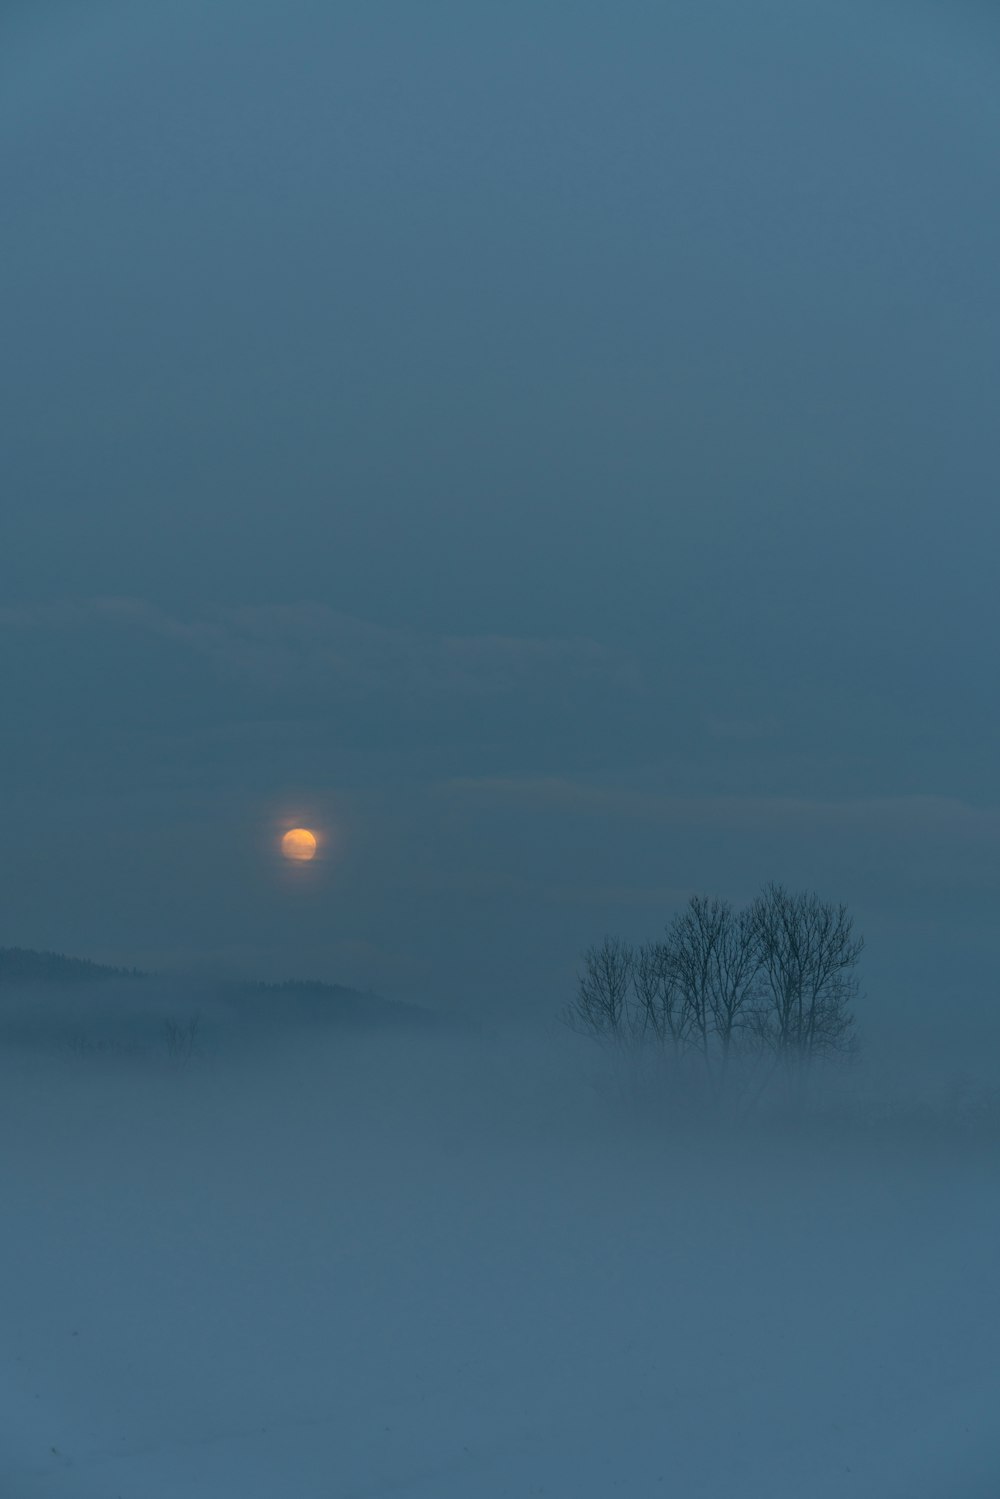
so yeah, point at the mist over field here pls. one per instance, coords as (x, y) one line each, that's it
(498, 749)
(372, 1262)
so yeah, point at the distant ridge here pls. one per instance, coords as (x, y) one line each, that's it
(311, 1000)
(25, 965)
(300, 1001)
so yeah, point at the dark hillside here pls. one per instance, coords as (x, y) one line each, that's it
(312, 1002)
(51, 995)
(24, 965)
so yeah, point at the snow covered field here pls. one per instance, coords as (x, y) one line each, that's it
(452, 1269)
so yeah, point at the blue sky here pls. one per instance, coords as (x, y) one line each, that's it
(552, 448)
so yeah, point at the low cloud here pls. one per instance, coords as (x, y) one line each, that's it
(920, 816)
(310, 648)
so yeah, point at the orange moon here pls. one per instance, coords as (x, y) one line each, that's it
(299, 844)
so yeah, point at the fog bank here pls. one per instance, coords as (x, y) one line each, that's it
(441, 1265)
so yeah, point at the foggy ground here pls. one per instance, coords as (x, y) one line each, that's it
(447, 1267)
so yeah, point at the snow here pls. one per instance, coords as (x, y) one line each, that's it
(433, 1267)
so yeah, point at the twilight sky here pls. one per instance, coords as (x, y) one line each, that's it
(552, 448)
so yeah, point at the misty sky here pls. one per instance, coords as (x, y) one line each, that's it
(552, 448)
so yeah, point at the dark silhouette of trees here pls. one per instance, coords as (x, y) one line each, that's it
(712, 955)
(807, 953)
(773, 983)
(602, 1005)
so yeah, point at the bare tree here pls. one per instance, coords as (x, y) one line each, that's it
(807, 956)
(696, 940)
(687, 993)
(735, 970)
(601, 1007)
(771, 984)
(181, 1038)
(658, 997)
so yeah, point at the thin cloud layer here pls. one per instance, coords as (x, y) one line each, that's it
(920, 814)
(312, 648)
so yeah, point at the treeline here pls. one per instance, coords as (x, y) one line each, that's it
(773, 980)
(26, 965)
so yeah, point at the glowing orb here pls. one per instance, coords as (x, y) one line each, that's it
(299, 844)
